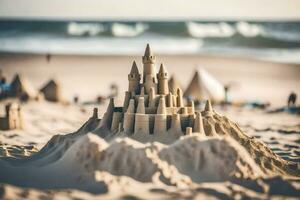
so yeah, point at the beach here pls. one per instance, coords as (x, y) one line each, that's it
(63, 151)
(89, 76)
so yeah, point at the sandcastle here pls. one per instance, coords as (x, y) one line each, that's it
(149, 107)
(12, 118)
(52, 91)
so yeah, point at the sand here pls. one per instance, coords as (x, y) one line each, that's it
(62, 153)
(113, 167)
(250, 79)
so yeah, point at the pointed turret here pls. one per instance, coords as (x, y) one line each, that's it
(141, 123)
(141, 106)
(191, 104)
(148, 61)
(162, 77)
(130, 108)
(161, 109)
(208, 111)
(198, 124)
(148, 51)
(208, 107)
(160, 122)
(95, 113)
(129, 118)
(173, 85)
(170, 100)
(134, 79)
(107, 118)
(162, 69)
(134, 69)
(179, 98)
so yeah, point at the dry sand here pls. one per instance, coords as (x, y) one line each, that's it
(241, 165)
(89, 76)
(192, 167)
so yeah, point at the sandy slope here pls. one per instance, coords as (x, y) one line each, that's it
(164, 167)
(194, 166)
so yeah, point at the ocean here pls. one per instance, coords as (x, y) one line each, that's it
(275, 41)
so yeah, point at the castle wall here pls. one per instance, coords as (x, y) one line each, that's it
(160, 124)
(175, 123)
(151, 110)
(128, 123)
(141, 125)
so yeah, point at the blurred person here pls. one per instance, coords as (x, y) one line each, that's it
(292, 99)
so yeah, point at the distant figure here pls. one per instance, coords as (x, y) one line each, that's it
(292, 99)
(226, 90)
(114, 90)
(4, 87)
(100, 99)
(76, 99)
(48, 57)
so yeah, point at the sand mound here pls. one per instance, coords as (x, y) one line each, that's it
(192, 157)
(95, 160)
(216, 125)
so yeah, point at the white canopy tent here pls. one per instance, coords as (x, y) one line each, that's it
(204, 86)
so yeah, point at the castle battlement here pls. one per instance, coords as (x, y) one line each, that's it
(149, 107)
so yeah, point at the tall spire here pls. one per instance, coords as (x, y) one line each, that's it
(130, 108)
(134, 79)
(208, 106)
(134, 68)
(179, 98)
(148, 51)
(162, 69)
(149, 68)
(162, 77)
(173, 84)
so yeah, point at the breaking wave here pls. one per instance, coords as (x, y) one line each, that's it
(267, 40)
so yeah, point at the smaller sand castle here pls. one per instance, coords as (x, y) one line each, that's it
(149, 106)
(52, 91)
(13, 117)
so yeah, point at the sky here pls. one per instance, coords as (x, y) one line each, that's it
(151, 9)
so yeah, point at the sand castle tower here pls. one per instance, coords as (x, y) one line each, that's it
(13, 117)
(149, 107)
(52, 91)
(173, 85)
(149, 69)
